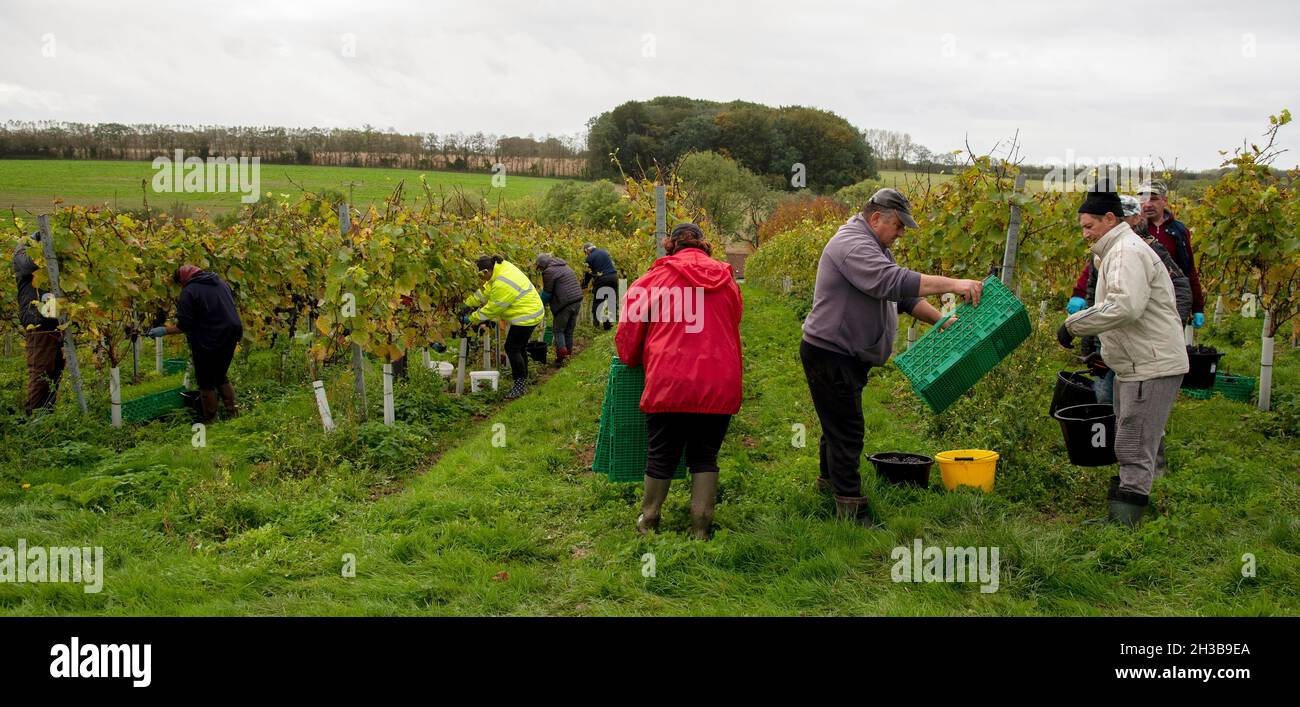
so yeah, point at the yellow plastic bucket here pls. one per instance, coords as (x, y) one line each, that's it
(968, 467)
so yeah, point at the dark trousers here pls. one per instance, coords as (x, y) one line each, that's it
(836, 382)
(669, 433)
(211, 365)
(566, 318)
(604, 289)
(516, 338)
(44, 368)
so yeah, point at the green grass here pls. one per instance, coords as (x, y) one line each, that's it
(258, 521)
(32, 185)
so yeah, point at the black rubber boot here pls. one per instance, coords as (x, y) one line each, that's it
(1125, 507)
(656, 490)
(704, 495)
(854, 508)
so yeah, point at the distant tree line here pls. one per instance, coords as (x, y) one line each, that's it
(781, 145)
(549, 156)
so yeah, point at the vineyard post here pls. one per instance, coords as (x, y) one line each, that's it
(388, 393)
(424, 358)
(661, 220)
(69, 346)
(1218, 310)
(323, 405)
(158, 355)
(358, 361)
(485, 343)
(1013, 235)
(1266, 363)
(460, 365)
(115, 395)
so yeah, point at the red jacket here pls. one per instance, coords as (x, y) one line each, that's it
(1081, 285)
(681, 320)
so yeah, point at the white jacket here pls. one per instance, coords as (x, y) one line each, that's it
(1135, 315)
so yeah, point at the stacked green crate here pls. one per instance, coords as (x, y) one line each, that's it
(622, 442)
(945, 363)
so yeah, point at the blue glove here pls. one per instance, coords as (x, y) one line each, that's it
(462, 318)
(1077, 304)
(440, 348)
(1198, 320)
(157, 332)
(546, 298)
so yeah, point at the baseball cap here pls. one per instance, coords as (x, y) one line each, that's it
(1153, 186)
(1132, 207)
(894, 199)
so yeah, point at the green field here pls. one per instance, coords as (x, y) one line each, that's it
(441, 520)
(32, 185)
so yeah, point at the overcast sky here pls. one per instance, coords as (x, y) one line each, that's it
(1132, 80)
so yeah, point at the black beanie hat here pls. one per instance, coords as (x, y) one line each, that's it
(1100, 203)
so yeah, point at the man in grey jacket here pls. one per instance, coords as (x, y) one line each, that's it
(859, 292)
(1104, 378)
(1136, 317)
(44, 339)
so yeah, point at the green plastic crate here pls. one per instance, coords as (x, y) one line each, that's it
(942, 365)
(148, 407)
(1198, 393)
(1238, 388)
(174, 365)
(622, 442)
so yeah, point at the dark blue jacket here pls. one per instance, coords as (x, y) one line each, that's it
(207, 314)
(599, 266)
(29, 313)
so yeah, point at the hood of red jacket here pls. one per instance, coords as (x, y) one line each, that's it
(697, 268)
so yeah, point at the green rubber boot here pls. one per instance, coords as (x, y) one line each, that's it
(656, 491)
(1122, 507)
(704, 495)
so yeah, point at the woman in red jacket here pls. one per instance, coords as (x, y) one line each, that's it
(681, 320)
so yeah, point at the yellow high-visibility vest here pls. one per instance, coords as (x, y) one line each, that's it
(508, 295)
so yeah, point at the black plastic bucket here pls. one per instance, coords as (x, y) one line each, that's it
(1072, 388)
(536, 350)
(1203, 367)
(1089, 432)
(903, 468)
